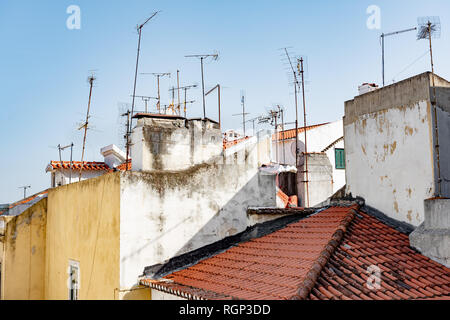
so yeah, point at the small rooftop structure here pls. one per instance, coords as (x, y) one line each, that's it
(367, 87)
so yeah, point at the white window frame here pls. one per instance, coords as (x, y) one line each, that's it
(73, 265)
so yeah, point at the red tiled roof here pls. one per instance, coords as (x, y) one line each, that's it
(124, 166)
(290, 134)
(405, 273)
(77, 165)
(228, 144)
(24, 201)
(324, 256)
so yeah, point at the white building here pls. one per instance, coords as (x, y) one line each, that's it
(65, 172)
(326, 159)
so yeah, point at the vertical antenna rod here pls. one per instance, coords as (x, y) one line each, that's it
(158, 76)
(302, 71)
(25, 190)
(384, 35)
(91, 80)
(139, 28)
(202, 57)
(218, 96)
(296, 107)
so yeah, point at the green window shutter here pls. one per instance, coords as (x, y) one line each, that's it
(340, 158)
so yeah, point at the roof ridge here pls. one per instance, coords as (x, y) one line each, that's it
(313, 274)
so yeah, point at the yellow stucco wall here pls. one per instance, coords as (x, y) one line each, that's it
(24, 254)
(83, 225)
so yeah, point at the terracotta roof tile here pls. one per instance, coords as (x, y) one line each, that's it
(290, 134)
(77, 165)
(324, 256)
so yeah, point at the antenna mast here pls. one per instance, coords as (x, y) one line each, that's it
(218, 95)
(71, 162)
(25, 190)
(91, 80)
(139, 28)
(431, 27)
(202, 57)
(302, 71)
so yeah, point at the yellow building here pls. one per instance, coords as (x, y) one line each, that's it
(66, 246)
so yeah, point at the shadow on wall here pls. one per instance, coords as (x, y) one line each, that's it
(232, 217)
(227, 220)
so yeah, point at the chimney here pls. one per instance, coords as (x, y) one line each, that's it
(367, 87)
(169, 142)
(432, 238)
(113, 155)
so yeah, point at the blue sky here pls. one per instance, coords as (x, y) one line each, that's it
(45, 65)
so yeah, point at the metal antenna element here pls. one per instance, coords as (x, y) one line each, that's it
(127, 133)
(146, 99)
(430, 27)
(384, 35)
(25, 190)
(253, 123)
(203, 57)
(71, 161)
(85, 125)
(158, 77)
(301, 71)
(296, 86)
(139, 29)
(243, 114)
(218, 96)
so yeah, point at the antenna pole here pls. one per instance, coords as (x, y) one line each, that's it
(71, 163)
(178, 90)
(203, 89)
(25, 190)
(127, 139)
(434, 103)
(382, 56)
(91, 84)
(135, 76)
(243, 114)
(304, 129)
(282, 128)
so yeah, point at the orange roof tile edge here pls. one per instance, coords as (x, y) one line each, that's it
(85, 165)
(229, 144)
(290, 134)
(26, 200)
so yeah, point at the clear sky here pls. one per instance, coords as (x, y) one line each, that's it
(44, 65)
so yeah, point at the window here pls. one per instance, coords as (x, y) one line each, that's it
(339, 156)
(74, 279)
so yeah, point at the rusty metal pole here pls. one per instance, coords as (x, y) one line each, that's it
(218, 92)
(434, 103)
(91, 84)
(178, 91)
(304, 128)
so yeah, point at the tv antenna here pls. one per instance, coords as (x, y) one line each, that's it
(243, 114)
(202, 57)
(25, 190)
(430, 27)
(71, 161)
(158, 77)
(382, 37)
(253, 123)
(85, 125)
(139, 29)
(126, 136)
(146, 99)
(218, 97)
(186, 102)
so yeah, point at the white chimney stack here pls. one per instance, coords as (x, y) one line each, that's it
(113, 155)
(367, 87)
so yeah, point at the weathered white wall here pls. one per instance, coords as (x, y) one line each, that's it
(318, 139)
(62, 176)
(165, 213)
(163, 144)
(389, 160)
(337, 174)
